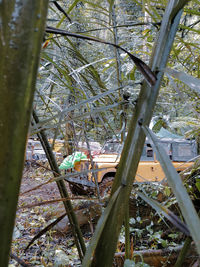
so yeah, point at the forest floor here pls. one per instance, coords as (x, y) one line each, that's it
(54, 248)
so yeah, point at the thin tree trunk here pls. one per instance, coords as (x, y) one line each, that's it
(119, 75)
(63, 191)
(21, 31)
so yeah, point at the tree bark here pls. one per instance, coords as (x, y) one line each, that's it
(21, 32)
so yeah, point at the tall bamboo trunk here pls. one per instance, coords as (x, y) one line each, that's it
(100, 253)
(21, 31)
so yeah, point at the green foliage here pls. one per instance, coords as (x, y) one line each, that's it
(198, 184)
(94, 74)
(83, 84)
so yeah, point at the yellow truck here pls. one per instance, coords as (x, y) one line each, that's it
(181, 152)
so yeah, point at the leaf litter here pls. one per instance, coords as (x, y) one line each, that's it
(53, 248)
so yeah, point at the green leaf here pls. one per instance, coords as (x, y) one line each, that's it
(77, 106)
(198, 185)
(141, 65)
(72, 6)
(167, 191)
(157, 126)
(131, 74)
(189, 80)
(166, 212)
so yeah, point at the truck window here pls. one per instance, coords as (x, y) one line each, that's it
(184, 151)
(147, 153)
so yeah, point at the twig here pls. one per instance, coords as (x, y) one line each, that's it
(18, 260)
(63, 191)
(122, 26)
(43, 231)
(46, 202)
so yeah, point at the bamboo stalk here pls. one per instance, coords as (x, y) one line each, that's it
(63, 191)
(105, 248)
(22, 25)
(183, 252)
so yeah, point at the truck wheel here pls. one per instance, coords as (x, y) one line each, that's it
(76, 190)
(105, 186)
(80, 190)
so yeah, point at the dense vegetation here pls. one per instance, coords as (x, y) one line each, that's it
(106, 68)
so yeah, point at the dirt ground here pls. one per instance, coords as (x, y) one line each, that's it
(54, 248)
(32, 178)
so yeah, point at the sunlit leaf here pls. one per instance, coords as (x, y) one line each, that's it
(189, 80)
(166, 212)
(141, 65)
(77, 106)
